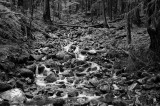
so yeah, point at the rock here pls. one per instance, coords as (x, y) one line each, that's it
(26, 73)
(62, 86)
(50, 63)
(119, 103)
(20, 84)
(54, 36)
(133, 86)
(108, 66)
(94, 81)
(19, 59)
(53, 56)
(67, 57)
(108, 98)
(148, 86)
(4, 103)
(22, 59)
(51, 78)
(4, 86)
(92, 52)
(67, 73)
(14, 96)
(103, 104)
(45, 50)
(28, 95)
(36, 57)
(12, 82)
(3, 76)
(80, 74)
(94, 103)
(72, 94)
(63, 55)
(51, 93)
(59, 102)
(105, 88)
(60, 55)
(129, 82)
(31, 67)
(59, 93)
(40, 69)
(7, 65)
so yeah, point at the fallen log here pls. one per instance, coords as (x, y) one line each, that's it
(95, 26)
(71, 25)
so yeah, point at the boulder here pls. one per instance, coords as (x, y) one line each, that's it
(26, 73)
(51, 78)
(5, 86)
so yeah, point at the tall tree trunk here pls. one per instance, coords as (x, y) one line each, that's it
(31, 12)
(59, 10)
(53, 11)
(122, 4)
(154, 33)
(111, 4)
(138, 18)
(46, 12)
(129, 25)
(115, 8)
(86, 6)
(70, 8)
(104, 15)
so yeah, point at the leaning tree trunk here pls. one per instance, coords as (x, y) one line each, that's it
(46, 12)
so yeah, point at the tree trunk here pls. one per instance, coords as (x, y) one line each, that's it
(31, 12)
(128, 26)
(155, 38)
(46, 12)
(104, 15)
(70, 8)
(122, 4)
(59, 10)
(53, 11)
(115, 8)
(154, 27)
(138, 18)
(111, 3)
